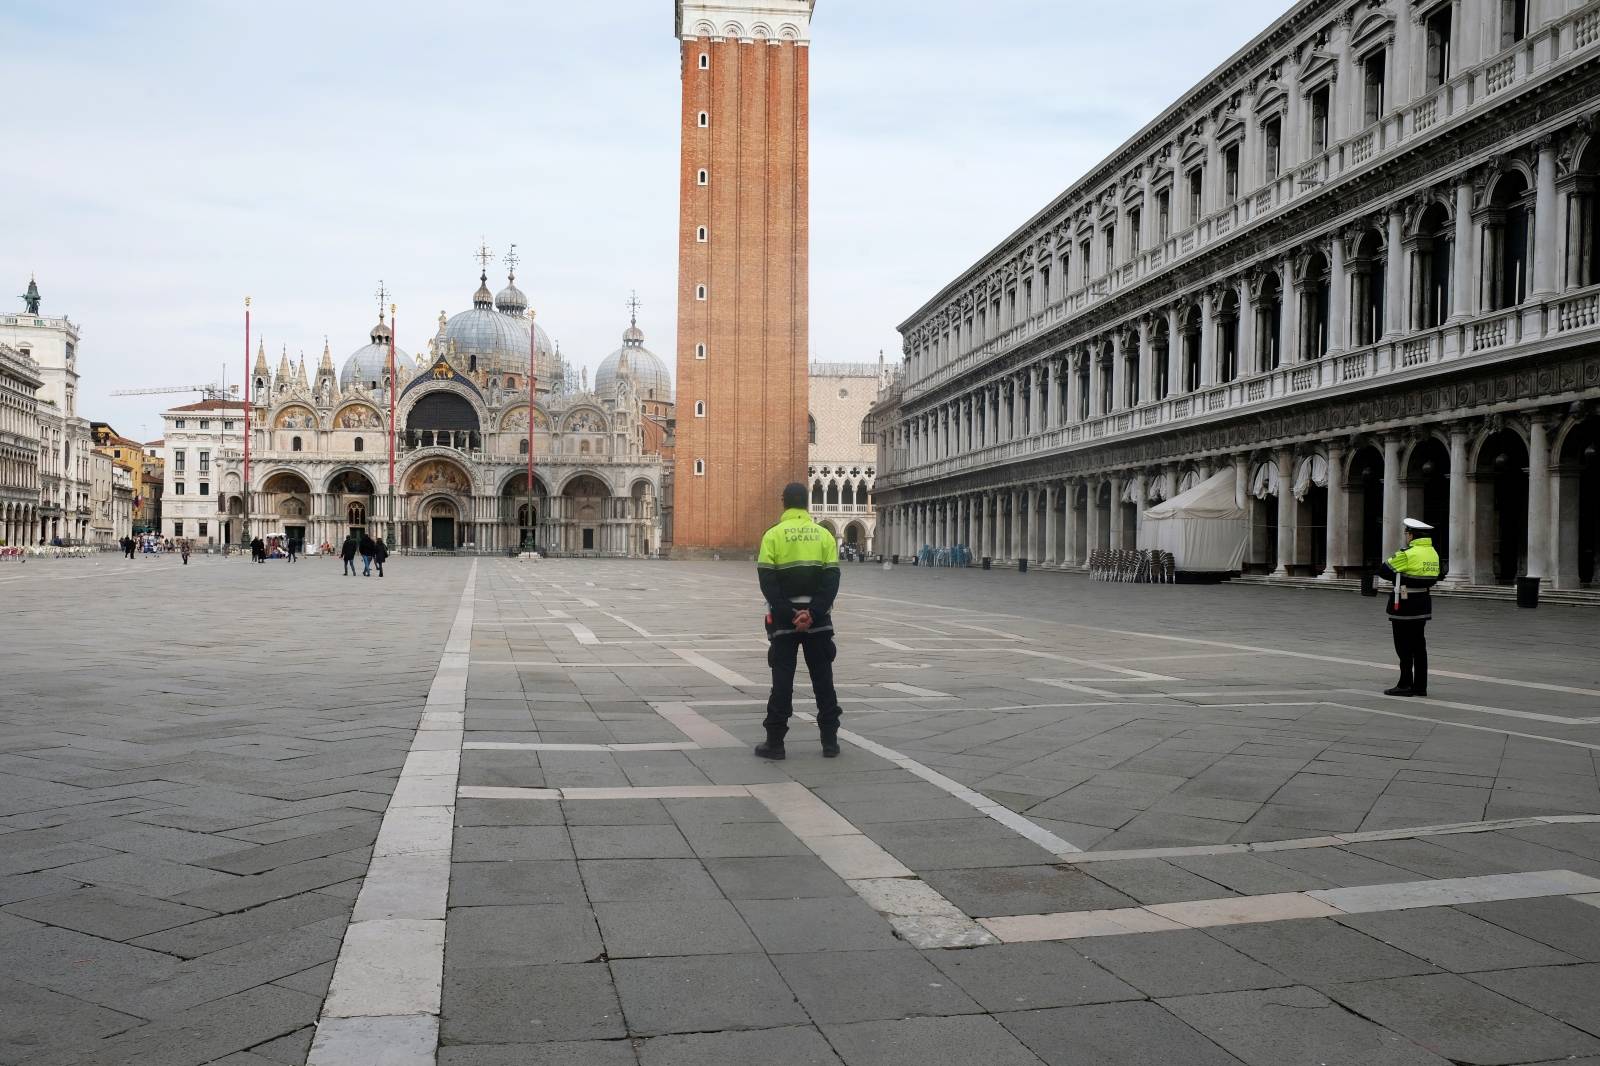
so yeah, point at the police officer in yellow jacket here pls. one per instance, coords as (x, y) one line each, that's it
(799, 571)
(1414, 569)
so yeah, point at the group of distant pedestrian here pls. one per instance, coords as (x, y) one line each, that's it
(372, 551)
(150, 544)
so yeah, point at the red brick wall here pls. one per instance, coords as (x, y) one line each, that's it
(754, 264)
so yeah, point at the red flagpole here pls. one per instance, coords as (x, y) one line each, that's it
(246, 530)
(392, 389)
(533, 380)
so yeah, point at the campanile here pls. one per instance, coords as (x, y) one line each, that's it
(742, 268)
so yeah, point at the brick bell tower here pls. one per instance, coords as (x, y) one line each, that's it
(743, 282)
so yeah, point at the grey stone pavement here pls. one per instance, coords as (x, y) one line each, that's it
(1073, 823)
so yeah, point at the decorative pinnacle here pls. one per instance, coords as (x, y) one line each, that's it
(483, 256)
(633, 308)
(383, 297)
(511, 263)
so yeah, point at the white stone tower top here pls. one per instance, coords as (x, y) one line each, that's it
(746, 20)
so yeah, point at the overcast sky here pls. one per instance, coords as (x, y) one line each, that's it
(166, 159)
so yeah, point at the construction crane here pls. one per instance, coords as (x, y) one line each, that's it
(212, 392)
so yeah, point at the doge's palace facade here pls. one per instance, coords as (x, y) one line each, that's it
(1357, 266)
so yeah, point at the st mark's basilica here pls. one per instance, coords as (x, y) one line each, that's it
(320, 450)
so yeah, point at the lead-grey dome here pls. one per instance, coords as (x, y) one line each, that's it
(497, 340)
(368, 365)
(649, 373)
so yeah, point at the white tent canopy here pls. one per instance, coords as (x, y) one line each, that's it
(1203, 527)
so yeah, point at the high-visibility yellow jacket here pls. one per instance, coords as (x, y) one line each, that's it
(1415, 568)
(798, 567)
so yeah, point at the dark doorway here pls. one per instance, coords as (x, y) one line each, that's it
(444, 533)
(588, 540)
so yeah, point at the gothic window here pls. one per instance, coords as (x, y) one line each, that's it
(1196, 187)
(699, 292)
(361, 445)
(699, 408)
(1192, 326)
(1135, 217)
(1110, 246)
(1272, 147)
(1430, 268)
(833, 494)
(1163, 214)
(522, 446)
(811, 429)
(699, 467)
(866, 430)
(703, 177)
(511, 381)
(1228, 337)
(1319, 107)
(1513, 21)
(1507, 228)
(295, 444)
(699, 351)
(705, 61)
(1367, 282)
(700, 234)
(1085, 268)
(1230, 173)
(1269, 317)
(705, 120)
(848, 496)
(1437, 28)
(358, 514)
(1372, 87)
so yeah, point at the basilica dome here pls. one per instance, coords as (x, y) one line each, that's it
(494, 340)
(368, 365)
(649, 373)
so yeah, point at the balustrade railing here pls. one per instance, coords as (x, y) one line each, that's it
(1487, 335)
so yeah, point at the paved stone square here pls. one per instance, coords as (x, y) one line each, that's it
(492, 812)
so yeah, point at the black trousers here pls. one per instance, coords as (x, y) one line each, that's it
(1411, 645)
(782, 653)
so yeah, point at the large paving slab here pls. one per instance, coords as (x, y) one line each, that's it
(1171, 808)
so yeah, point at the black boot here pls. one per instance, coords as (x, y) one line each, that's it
(772, 747)
(830, 745)
(1399, 690)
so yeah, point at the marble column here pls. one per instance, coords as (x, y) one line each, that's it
(1288, 512)
(1093, 524)
(1338, 531)
(1017, 497)
(1175, 383)
(1461, 278)
(1460, 511)
(1338, 297)
(1139, 493)
(1545, 212)
(1052, 498)
(1538, 498)
(1394, 279)
(1071, 550)
(1119, 371)
(1117, 488)
(1393, 495)
(1208, 339)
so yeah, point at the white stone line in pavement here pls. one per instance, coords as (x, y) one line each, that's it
(1467, 725)
(383, 1000)
(1287, 906)
(1509, 712)
(495, 745)
(630, 665)
(1041, 836)
(1330, 840)
(696, 726)
(913, 690)
(583, 633)
(715, 669)
(1389, 666)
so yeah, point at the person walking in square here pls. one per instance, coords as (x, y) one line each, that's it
(380, 552)
(1414, 569)
(368, 549)
(347, 552)
(183, 550)
(292, 547)
(798, 567)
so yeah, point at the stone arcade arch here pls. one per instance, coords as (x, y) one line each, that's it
(584, 501)
(515, 509)
(1575, 503)
(1500, 522)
